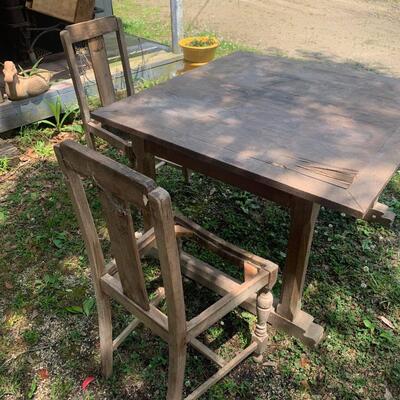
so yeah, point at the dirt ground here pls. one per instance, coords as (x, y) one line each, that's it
(365, 32)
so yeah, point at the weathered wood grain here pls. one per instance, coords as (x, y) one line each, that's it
(327, 134)
(123, 280)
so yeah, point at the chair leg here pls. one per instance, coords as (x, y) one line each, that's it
(186, 174)
(176, 370)
(264, 307)
(90, 140)
(105, 331)
(130, 154)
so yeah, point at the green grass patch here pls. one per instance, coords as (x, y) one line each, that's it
(142, 21)
(148, 22)
(49, 317)
(353, 279)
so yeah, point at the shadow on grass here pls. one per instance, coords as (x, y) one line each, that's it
(353, 279)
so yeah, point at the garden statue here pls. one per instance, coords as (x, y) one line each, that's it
(26, 83)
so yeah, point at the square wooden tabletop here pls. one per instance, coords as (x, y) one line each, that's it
(323, 132)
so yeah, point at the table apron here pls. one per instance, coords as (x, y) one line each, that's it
(226, 174)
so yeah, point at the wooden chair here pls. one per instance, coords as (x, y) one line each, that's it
(92, 32)
(122, 280)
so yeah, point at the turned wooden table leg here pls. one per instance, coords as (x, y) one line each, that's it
(264, 304)
(303, 217)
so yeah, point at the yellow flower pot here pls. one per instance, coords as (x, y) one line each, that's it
(197, 54)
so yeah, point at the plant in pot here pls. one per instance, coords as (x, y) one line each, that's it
(199, 50)
(25, 83)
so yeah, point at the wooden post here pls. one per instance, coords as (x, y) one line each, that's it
(304, 215)
(176, 24)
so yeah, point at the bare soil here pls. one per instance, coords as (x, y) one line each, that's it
(365, 32)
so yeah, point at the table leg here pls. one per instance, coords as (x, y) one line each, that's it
(145, 163)
(303, 217)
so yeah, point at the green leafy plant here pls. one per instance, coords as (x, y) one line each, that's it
(43, 149)
(85, 309)
(31, 71)
(31, 337)
(32, 389)
(48, 284)
(61, 115)
(203, 42)
(4, 164)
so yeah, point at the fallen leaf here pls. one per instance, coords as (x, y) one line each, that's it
(74, 309)
(43, 374)
(386, 322)
(304, 362)
(9, 285)
(88, 305)
(62, 136)
(87, 381)
(29, 155)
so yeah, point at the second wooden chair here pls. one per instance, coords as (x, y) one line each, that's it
(90, 36)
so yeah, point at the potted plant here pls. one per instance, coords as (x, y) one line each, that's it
(199, 49)
(25, 83)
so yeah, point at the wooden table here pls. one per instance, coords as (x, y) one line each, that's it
(302, 134)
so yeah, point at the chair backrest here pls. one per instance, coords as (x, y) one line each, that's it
(120, 188)
(93, 33)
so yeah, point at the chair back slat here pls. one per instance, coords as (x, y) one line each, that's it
(124, 248)
(85, 218)
(101, 68)
(119, 187)
(123, 51)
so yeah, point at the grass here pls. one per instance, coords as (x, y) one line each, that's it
(49, 333)
(49, 321)
(148, 22)
(4, 164)
(142, 21)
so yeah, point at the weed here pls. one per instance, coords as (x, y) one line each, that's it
(29, 134)
(60, 388)
(85, 309)
(61, 115)
(32, 388)
(43, 149)
(204, 41)
(4, 164)
(34, 70)
(31, 337)
(143, 84)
